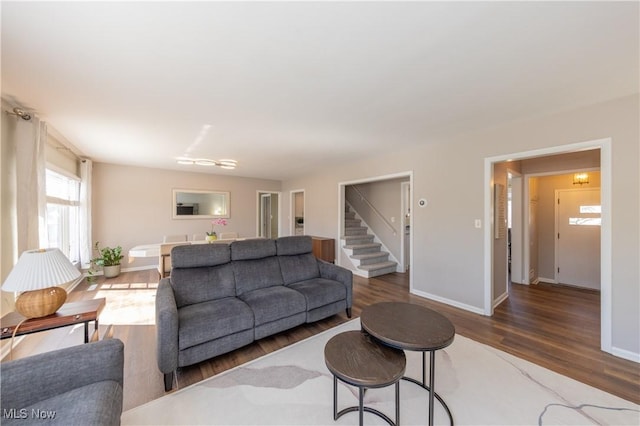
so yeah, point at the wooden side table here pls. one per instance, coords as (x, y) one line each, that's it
(359, 360)
(324, 248)
(414, 328)
(69, 314)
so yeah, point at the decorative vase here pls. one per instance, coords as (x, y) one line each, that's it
(212, 237)
(111, 271)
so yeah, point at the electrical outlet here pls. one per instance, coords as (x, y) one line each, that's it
(478, 223)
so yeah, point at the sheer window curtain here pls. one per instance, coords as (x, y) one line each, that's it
(23, 191)
(86, 246)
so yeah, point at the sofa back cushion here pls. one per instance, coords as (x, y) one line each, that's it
(197, 255)
(297, 262)
(201, 272)
(255, 265)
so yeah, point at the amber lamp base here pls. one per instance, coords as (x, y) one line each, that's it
(40, 303)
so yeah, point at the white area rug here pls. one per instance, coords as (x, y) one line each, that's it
(481, 385)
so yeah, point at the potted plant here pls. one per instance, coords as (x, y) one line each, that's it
(212, 236)
(109, 259)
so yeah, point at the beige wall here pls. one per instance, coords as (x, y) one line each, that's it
(448, 251)
(132, 205)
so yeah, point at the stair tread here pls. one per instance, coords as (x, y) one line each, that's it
(375, 266)
(356, 241)
(370, 255)
(361, 246)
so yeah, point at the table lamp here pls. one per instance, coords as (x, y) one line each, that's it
(36, 275)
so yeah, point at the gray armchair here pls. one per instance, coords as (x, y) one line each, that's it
(80, 385)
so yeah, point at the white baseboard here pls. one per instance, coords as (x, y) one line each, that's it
(504, 296)
(135, 268)
(623, 353)
(359, 273)
(546, 280)
(450, 302)
(140, 268)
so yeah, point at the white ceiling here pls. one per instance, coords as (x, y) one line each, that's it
(286, 87)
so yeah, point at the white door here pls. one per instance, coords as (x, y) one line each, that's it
(578, 237)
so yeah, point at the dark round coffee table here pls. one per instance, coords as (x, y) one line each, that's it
(415, 328)
(359, 360)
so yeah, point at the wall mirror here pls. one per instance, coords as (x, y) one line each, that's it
(199, 204)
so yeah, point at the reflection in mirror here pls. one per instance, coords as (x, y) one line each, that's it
(198, 204)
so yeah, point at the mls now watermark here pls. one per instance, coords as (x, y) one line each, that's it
(23, 413)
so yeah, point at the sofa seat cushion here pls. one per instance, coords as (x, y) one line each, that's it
(211, 320)
(320, 291)
(98, 403)
(274, 303)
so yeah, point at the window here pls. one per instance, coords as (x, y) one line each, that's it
(589, 220)
(63, 195)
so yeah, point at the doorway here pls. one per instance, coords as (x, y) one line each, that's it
(393, 221)
(268, 214)
(297, 212)
(604, 147)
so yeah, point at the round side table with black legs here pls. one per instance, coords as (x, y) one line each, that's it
(359, 360)
(415, 328)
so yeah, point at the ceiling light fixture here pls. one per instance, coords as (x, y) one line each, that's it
(185, 161)
(223, 164)
(228, 164)
(580, 178)
(205, 162)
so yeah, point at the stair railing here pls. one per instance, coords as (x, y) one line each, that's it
(375, 210)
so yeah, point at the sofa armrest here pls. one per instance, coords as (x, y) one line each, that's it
(29, 380)
(166, 327)
(340, 274)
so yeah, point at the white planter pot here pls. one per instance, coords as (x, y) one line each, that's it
(111, 271)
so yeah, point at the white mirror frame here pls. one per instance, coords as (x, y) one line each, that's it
(190, 198)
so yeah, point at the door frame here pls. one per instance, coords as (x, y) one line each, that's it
(341, 206)
(517, 228)
(605, 236)
(405, 204)
(259, 210)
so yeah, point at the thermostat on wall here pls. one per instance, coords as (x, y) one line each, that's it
(422, 202)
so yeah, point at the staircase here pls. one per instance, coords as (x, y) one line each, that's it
(366, 255)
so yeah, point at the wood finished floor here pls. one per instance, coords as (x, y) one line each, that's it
(553, 326)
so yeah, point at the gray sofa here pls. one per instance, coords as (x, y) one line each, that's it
(221, 297)
(80, 385)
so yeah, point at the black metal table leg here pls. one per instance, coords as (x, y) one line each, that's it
(432, 395)
(432, 369)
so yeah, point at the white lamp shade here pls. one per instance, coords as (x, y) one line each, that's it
(38, 269)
